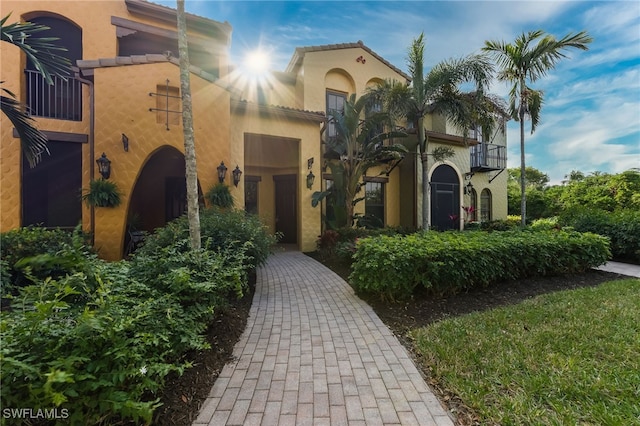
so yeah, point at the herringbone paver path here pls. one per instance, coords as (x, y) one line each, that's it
(315, 354)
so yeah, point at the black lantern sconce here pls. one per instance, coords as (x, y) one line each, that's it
(125, 142)
(310, 179)
(236, 175)
(104, 166)
(469, 186)
(222, 172)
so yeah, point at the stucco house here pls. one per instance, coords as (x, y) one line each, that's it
(124, 102)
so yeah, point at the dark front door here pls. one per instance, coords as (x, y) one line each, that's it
(286, 211)
(445, 199)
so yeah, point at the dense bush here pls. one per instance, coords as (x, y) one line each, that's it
(622, 227)
(220, 230)
(341, 243)
(100, 340)
(43, 252)
(448, 262)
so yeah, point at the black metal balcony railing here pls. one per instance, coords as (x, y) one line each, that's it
(487, 157)
(62, 100)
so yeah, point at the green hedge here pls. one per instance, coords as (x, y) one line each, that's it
(448, 262)
(622, 227)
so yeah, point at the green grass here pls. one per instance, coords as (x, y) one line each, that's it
(565, 358)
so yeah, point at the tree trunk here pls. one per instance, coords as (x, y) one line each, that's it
(523, 195)
(193, 208)
(423, 144)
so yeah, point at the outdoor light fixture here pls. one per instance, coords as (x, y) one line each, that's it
(125, 142)
(104, 166)
(468, 188)
(222, 172)
(236, 175)
(310, 179)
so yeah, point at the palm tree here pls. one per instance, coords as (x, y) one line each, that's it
(439, 92)
(358, 145)
(193, 208)
(42, 52)
(525, 61)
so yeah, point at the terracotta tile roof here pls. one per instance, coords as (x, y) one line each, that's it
(87, 66)
(300, 52)
(318, 116)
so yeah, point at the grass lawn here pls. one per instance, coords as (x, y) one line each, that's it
(565, 358)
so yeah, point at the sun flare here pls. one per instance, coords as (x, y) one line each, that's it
(257, 62)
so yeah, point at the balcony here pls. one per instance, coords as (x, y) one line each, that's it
(62, 100)
(488, 157)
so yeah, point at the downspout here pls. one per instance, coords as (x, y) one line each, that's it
(89, 83)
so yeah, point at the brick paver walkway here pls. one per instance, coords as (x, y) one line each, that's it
(315, 354)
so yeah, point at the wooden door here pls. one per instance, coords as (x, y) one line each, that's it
(286, 208)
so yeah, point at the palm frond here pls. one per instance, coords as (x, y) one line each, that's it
(34, 142)
(41, 51)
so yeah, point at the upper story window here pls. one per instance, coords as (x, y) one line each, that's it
(63, 99)
(335, 104)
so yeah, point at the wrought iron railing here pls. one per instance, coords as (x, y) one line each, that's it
(488, 156)
(61, 100)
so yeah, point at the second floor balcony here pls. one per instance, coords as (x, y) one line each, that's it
(62, 100)
(487, 157)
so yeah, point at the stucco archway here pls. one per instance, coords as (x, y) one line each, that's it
(159, 193)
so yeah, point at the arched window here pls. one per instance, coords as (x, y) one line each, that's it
(472, 215)
(485, 206)
(63, 99)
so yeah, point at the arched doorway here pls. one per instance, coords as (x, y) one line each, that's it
(159, 194)
(445, 199)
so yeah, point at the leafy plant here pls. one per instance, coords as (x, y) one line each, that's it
(102, 193)
(220, 196)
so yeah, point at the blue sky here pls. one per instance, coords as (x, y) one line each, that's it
(591, 117)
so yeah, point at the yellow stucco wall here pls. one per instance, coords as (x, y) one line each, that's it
(122, 106)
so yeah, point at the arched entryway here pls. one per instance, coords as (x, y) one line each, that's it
(159, 194)
(445, 198)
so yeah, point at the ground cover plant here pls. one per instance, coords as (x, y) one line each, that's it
(568, 357)
(101, 339)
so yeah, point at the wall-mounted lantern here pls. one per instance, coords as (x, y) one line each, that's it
(310, 179)
(125, 142)
(468, 188)
(236, 175)
(104, 166)
(222, 172)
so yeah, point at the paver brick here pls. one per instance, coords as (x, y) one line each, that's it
(315, 354)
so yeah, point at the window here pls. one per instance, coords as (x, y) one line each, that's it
(485, 205)
(374, 204)
(63, 99)
(251, 194)
(51, 190)
(168, 104)
(473, 206)
(335, 103)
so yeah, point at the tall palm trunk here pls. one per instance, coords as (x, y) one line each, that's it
(523, 194)
(193, 208)
(423, 143)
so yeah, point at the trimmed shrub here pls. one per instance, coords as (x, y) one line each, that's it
(449, 262)
(220, 230)
(39, 252)
(622, 227)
